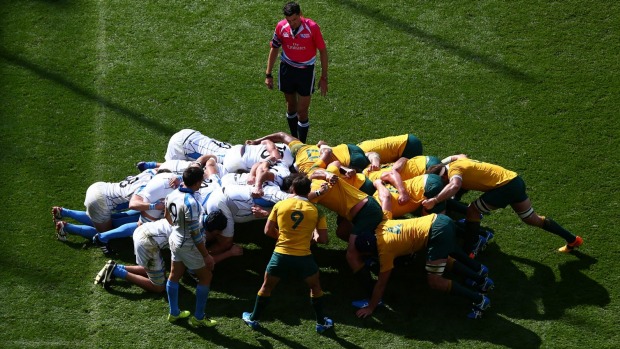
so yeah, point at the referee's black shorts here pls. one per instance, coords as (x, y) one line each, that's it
(296, 80)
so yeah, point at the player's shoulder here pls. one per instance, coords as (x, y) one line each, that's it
(309, 22)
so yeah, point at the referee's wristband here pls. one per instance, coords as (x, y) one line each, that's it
(268, 76)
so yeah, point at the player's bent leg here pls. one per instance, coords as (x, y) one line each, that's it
(527, 214)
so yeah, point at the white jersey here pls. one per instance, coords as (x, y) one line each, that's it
(236, 203)
(154, 233)
(175, 166)
(279, 172)
(118, 194)
(185, 212)
(190, 144)
(207, 187)
(235, 178)
(241, 158)
(178, 166)
(156, 190)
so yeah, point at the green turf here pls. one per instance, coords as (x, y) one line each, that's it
(88, 88)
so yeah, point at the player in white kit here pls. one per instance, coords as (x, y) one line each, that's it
(187, 246)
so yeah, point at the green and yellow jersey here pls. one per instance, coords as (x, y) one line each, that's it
(413, 167)
(400, 237)
(340, 198)
(296, 218)
(480, 176)
(415, 188)
(305, 155)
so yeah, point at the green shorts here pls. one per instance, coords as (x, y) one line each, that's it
(432, 161)
(432, 187)
(359, 161)
(413, 147)
(509, 193)
(441, 238)
(368, 187)
(296, 147)
(368, 218)
(284, 266)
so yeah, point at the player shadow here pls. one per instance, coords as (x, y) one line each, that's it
(541, 295)
(60, 80)
(436, 41)
(413, 310)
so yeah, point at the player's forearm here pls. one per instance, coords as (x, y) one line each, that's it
(271, 60)
(324, 62)
(447, 192)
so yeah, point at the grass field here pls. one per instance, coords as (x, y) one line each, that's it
(88, 88)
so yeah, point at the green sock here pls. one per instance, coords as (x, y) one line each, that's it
(317, 305)
(259, 306)
(459, 290)
(471, 234)
(551, 226)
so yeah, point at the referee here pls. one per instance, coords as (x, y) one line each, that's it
(299, 38)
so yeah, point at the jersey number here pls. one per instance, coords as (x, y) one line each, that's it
(173, 212)
(127, 181)
(297, 217)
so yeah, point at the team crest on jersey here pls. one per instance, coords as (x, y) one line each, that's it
(395, 229)
(285, 35)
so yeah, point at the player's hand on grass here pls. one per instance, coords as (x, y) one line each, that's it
(364, 312)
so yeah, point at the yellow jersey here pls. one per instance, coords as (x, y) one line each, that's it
(415, 188)
(400, 237)
(340, 198)
(389, 149)
(305, 155)
(413, 167)
(296, 218)
(480, 176)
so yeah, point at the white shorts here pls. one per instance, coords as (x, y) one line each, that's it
(175, 149)
(148, 255)
(96, 204)
(188, 254)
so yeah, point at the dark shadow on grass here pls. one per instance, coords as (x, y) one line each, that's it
(436, 41)
(287, 342)
(81, 91)
(540, 296)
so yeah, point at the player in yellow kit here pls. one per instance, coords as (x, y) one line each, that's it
(415, 190)
(293, 222)
(434, 233)
(392, 148)
(307, 155)
(500, 187)
(406, 168)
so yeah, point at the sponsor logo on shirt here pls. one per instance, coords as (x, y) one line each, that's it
(305, 36)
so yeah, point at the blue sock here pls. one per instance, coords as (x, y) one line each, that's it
(125, 230)
(82, 230)
(120, 218)
(173, 297)
(202, 294)
(79, 216)
(119, 271)
(150, 164)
